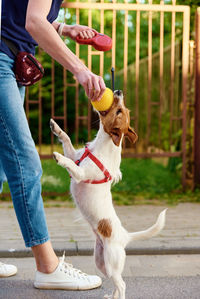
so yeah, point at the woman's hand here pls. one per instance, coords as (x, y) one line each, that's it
(93, 84)
(73, 31)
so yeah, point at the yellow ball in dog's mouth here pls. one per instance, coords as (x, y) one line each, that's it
(105, 102)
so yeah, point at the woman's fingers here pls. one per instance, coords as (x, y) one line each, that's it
(90, 89)
(99, 88)
(85, 34)
(102, 88)
(93, 85)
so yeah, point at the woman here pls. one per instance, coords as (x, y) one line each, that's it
(28, 23)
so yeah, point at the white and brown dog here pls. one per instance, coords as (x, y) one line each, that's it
(93, 169)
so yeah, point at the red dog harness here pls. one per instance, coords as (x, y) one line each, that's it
(88, 154)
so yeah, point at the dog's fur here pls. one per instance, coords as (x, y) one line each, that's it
(95, 200)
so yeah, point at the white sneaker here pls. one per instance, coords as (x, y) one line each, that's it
(7, 270)
(65, 277)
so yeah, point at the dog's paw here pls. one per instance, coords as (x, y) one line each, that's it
(57, 156)
(62, 161)
(56, 130)
(51, 124)
(113, 296)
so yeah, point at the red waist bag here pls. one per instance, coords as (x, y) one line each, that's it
(27, 69)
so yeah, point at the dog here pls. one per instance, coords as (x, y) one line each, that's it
(93, 169)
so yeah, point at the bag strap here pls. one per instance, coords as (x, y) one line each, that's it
(10, 45)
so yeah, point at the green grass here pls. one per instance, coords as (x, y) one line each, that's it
(55, 178)
(144, 176)
(148, 182)
(144, 182)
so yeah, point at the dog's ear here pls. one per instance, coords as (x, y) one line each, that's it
(132, 136)
(116, 136)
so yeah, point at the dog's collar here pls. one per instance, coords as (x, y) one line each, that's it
(88, 154)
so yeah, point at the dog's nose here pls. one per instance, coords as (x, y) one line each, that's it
(118, 92)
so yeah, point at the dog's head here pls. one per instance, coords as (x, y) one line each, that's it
(116, 121)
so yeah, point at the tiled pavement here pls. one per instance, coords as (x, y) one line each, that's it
(180, 235)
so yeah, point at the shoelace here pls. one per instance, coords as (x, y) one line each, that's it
(70, 270)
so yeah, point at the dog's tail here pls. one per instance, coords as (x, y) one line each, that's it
(150, 232)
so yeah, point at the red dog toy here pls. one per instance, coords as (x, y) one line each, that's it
(100, 42)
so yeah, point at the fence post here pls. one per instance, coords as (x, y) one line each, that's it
(185, 65)
(197, 105)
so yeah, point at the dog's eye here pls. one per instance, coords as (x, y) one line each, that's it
(119, 111)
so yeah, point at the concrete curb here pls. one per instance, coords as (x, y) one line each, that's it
(86, 249)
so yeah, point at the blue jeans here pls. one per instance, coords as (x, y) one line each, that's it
(19, 160)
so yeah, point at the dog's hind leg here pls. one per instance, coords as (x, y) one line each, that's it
(114, 256)
(68, 148)
(120, 286)
(99, 255)
(100, 263)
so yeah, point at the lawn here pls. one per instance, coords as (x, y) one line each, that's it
(145, 181)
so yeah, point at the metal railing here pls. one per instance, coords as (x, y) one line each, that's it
(197, 105)
(152, 105)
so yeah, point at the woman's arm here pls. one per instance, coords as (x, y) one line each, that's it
(48, 39)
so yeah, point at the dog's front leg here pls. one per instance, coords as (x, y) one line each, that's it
(68, 148)
(75, 171)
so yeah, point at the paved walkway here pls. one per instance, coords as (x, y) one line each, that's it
(180, 235)
(146, 276)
